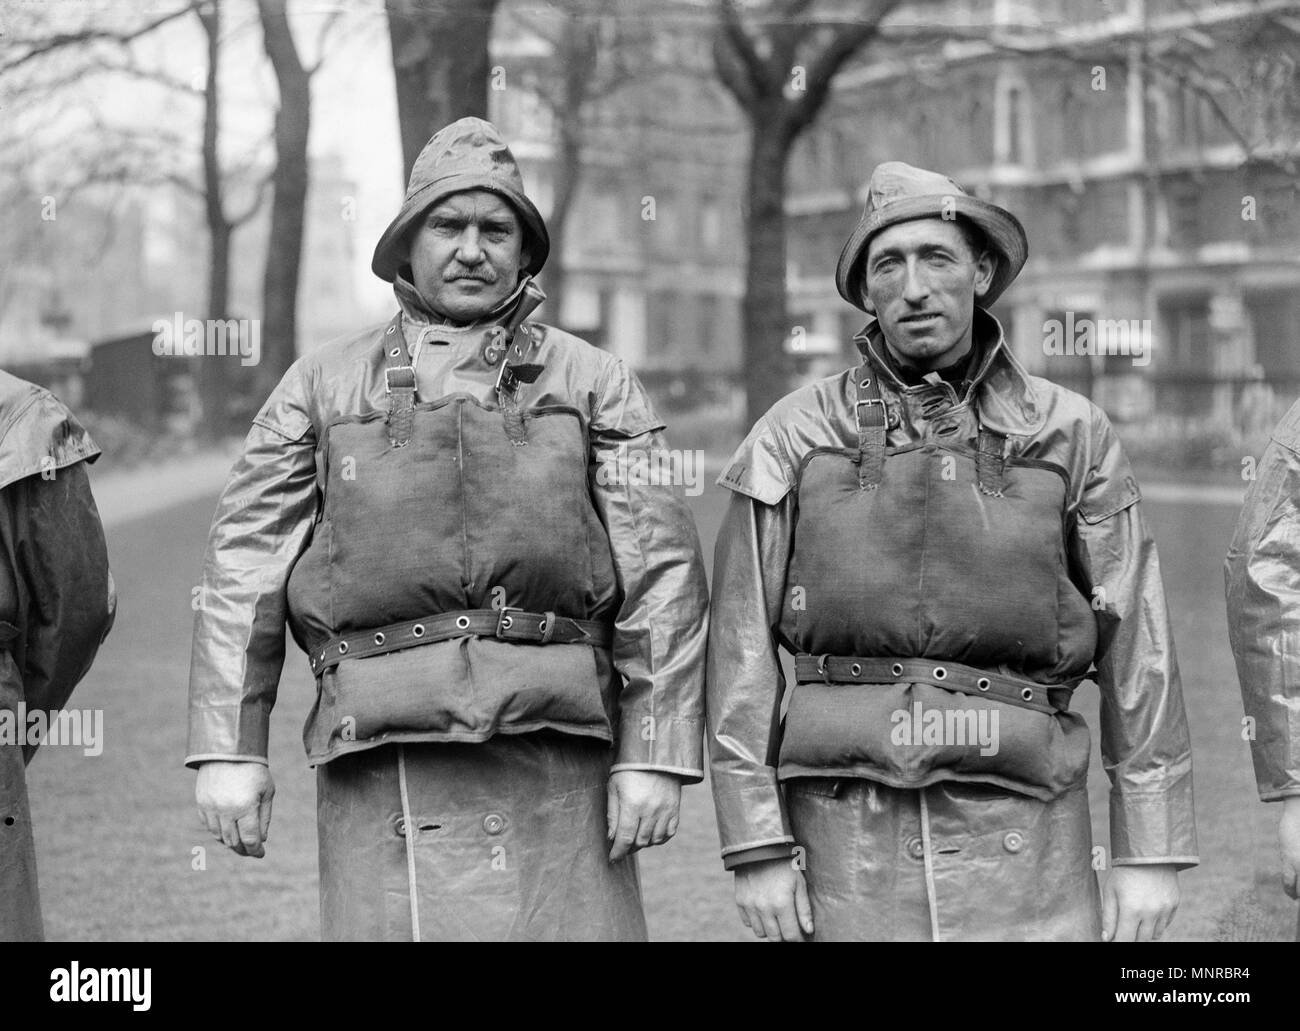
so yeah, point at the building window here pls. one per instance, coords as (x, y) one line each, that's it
(1013, 125)
(1185, 342)
(1275, 325)
(709, 322)
(710, 223)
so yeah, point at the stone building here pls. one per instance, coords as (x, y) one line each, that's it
(1149, 147)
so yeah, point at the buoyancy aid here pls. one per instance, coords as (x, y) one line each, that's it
(929, 589)
(459, 580)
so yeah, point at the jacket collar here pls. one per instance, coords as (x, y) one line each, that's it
(415, 310)
(1005, 395)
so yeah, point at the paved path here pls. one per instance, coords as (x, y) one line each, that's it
(126, 494)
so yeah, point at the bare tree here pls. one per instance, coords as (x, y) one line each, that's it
(290, 180)
(440, 63)
(137, 158)
(779, 65)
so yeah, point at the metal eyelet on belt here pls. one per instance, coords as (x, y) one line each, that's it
(379, 637)
(417, 630)
(322, 656)
(983, 683)
(855, 669)
(462, 622)
(940, 673)
(896, 669)
(394, 352)
(1027, 694)
(541, 625)
(507, 622)
(343, 647)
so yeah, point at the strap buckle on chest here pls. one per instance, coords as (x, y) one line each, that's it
(399, 385)
(872, 429)
(406, 379)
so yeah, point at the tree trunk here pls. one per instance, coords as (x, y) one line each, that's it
(289, 202)
(765, 320)
(441, 66)
(209, 375)
(568, 172)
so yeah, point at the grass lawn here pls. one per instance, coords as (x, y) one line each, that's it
(117, 835)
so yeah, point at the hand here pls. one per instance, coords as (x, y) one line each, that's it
(773, 900)
(234, 800)
(642, 810)
(1138, 902)
(1288, 833)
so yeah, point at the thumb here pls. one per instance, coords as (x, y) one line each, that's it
(1109, 911)
(611, 809)
(264, 815)
(802, 907)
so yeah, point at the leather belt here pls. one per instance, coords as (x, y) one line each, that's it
(835, 669)
(507, 624)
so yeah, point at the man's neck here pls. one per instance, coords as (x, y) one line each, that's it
(950, 367)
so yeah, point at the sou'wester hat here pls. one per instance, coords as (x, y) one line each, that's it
(468, 154)
(897, 192)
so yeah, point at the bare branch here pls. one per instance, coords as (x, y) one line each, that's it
(322, 39)
(255, 205)
(743, 51)
(844, 44)
(64, 40)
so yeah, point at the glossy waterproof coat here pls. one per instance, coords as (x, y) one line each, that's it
(1262, 576)
(57, 603)
(410, 713)
(1144, 738)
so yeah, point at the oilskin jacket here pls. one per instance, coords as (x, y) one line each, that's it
(1017, 468)
(1262, 576)
(57, 603)
(346, 516)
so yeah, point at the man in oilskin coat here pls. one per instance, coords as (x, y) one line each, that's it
(506, 626)
(1263, 601)
(57, 603)
(948, 546)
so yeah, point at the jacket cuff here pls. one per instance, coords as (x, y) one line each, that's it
(761, 854)
(664, 744)
(1151, 828)
(195, 761)
(751, 811)
(228, 732)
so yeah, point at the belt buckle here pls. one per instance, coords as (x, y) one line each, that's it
(504, 620)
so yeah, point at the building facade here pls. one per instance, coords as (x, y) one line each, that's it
(1148, 146)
